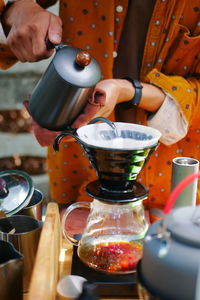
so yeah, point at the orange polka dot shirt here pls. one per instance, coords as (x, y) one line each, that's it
(170, 61)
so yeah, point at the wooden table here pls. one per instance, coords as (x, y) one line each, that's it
(53, 260)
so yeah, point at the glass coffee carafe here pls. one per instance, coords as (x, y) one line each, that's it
(112, 240)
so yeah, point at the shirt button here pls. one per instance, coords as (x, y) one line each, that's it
(119, 8)
(114, 54)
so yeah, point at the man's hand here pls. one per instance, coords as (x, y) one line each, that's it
(110, 92)
(106, 95)
(28, 26)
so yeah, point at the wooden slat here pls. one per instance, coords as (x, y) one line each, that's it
(46, 269)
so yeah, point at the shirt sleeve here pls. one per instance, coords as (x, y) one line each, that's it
(170, 121)
(46, 3)
(184, 91)
(1, 6)
(7, 58)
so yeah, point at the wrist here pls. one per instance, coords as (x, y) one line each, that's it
(126, 90)
(10, 3)
(5, 19)
(7, 15)
(136, 97)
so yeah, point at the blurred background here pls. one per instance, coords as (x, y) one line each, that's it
(18, 146)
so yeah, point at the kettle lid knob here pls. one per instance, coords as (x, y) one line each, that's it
(83, 58)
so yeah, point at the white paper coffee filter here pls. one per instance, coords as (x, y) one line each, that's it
(125, 135)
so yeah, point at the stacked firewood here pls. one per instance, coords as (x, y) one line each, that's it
(16, 122)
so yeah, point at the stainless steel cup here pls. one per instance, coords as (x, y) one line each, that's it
(11, 272)
(182, 167)
(34, 208)
(25, 240)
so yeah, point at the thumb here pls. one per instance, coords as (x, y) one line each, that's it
(98, 97)
(26, 105)
(55, 29)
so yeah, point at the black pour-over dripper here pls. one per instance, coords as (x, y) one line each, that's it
(117, 171)
(118, 152)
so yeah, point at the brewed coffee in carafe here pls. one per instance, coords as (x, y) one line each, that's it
(112, 240)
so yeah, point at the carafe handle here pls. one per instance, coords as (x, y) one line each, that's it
(65, 216)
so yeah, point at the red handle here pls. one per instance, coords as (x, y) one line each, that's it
(178, 190)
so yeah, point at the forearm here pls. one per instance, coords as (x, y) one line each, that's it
(151, 99)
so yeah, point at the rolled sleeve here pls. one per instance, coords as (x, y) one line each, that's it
(1, 7)
(170, 121)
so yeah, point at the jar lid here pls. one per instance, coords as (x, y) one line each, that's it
(16, 190)
(184, 224)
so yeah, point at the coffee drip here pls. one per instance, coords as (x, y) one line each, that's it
(112, 239)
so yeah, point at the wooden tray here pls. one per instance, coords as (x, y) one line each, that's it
(53, 259)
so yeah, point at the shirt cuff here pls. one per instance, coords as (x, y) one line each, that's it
(170, 121)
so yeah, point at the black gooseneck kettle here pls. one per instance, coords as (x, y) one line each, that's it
(64, 88)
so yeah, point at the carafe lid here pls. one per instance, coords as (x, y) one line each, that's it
(76, 66)
(16, 190)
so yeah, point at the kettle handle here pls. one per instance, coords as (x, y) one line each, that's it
(50, 45)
